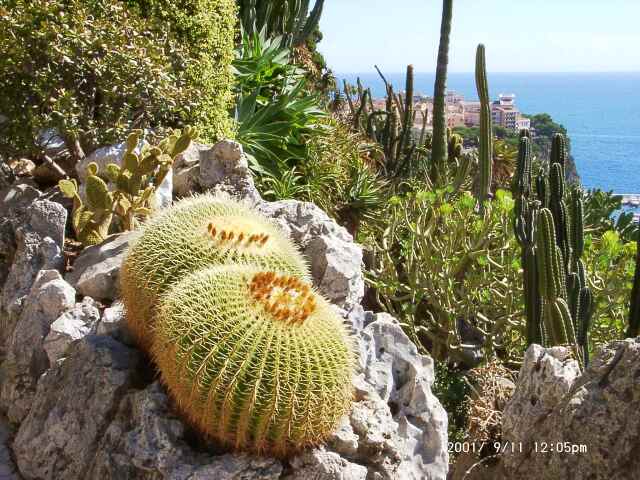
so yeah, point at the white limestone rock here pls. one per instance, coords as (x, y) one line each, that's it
(96, 271)
(574, 425)
(72, 325)
(26, 358)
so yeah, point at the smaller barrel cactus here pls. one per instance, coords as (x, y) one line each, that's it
(196, 233)
(256, 360)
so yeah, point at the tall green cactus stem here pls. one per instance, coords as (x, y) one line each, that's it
(195, 233)
(559, 151)
(524, 225)
(556, 315)
(634, 312)
(408, 111)
(439, 142)
(486, 133)
(256, 360)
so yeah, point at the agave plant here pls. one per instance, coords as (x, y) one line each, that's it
(274, 110)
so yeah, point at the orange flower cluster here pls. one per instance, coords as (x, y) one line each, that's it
(285, 297)
(228, 236)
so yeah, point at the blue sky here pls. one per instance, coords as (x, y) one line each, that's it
(520, 35)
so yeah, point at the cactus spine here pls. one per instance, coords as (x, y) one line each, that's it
(634, 313)
(439, 145)
(486, 134)
(256, 360)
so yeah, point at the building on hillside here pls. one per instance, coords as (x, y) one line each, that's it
(453, 98)
(523, 123)
(471, 113)
(455, 115)
(505, 113)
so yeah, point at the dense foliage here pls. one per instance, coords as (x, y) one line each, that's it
(206, 30)
(611, 263)
(91, 73)
(94, 69)
(451, 275)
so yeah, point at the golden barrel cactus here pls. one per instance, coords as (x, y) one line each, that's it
(196, 233)
(256, 360)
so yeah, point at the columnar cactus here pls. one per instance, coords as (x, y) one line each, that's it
(634, 313)
(392, 127)
(439, 145)
(558, 301)
(526, 214)
(256, 360)
(196, 233)
(486, 131)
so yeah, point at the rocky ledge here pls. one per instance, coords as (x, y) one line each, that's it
(564, 424)
(83, 402)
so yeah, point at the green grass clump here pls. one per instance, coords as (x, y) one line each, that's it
(256, 360)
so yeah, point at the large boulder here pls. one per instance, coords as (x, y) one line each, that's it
(34, 239)
(571, 425)
(26, 357)
(396, 428)
(73, 407)
(335, 260)
(96, 271)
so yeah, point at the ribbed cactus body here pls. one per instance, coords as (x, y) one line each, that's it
(197, 233)
(255, 359)
(486, 132)
(634, 312)
(439, 142)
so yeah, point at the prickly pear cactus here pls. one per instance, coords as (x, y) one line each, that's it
(91, 219)
(196, 233)
(256, 360)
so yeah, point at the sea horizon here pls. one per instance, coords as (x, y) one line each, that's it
(601, 113)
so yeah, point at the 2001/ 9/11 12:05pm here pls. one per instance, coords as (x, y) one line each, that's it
(518, 447)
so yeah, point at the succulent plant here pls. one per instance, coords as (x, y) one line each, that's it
(550, 230)
(486, 131)
(140, 175)
(439, 145)
(198, 232)
(256, 360)
(135, 184)
(90, 219)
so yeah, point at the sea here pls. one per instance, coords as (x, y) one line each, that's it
(601, 112)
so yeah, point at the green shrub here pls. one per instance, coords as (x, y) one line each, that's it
(91, 73)
(443, 270)
(610, 262)
(206, 29)
(93, 70)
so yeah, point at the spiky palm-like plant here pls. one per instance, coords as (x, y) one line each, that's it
(256, 360)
